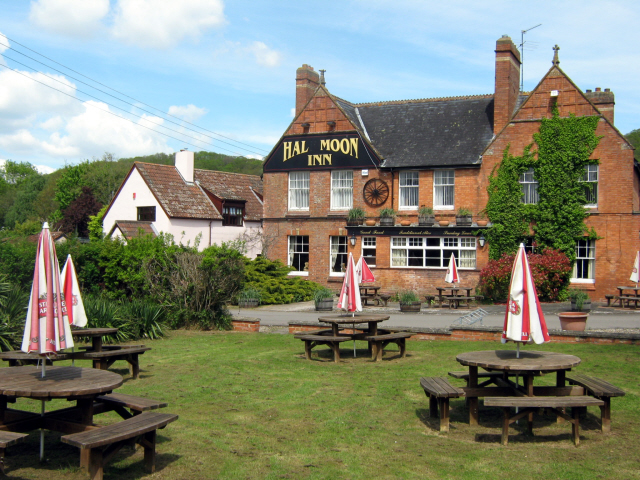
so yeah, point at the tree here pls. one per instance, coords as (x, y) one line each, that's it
(634, 138)
(75, 218)
(24, 201)
(70, 184)
(104, 176)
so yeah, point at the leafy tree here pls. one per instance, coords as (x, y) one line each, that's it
(75, 218)
(104, 176)
(14, 173)
(70, 184)
(634, 138)
(25, 201)
(95, 224)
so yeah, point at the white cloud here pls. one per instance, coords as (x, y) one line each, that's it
(255, 157)
(190, 112)
(45, 169)
(293, 112)
(69, 17)
(264, 55)
(162, 24)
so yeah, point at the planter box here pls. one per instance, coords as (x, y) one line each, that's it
(410, 307)
(355, 222)
(464, 221)
(426, 220)
(248, 303)
(325, 305)
(586, 306)
(387, 221)
(574, 321)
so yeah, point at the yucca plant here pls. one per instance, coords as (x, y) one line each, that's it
(102, 313)
(147, 319)
(13, 303)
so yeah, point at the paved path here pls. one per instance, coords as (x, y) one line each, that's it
(600, 317)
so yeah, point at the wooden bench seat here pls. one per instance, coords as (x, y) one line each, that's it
(384, 298)
(609, 298)
(99, 445)
(464, 375)
(311, 341)
(439, 391)
(625, 301)
(379, 342)
(119, 402)
(600, 389)
(17, 358)
(528, 405)
(6, 440)
(104, 359)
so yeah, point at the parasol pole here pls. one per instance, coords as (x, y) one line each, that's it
(518, 350)
(42, 435)
(353, 315)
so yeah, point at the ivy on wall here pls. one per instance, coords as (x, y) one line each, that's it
(564, 146)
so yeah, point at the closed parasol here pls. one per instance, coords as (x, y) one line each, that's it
(349, 298)
(635, 273)
(452, 271)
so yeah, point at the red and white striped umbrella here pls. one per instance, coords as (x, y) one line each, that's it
(523, 320)
(635, 273)
(452, 271)
(365, 275)
(46, 329)
(349, 298)
(72, 298)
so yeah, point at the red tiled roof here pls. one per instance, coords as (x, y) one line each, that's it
(234, 186)
(130, 228)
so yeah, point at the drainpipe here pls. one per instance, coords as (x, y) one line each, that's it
(210, 222)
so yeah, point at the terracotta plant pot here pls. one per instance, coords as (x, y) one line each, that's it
(370, 222)
(405, 223)
(482, 223)
(574, 321)
(443, 223)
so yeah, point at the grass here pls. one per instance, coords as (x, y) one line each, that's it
(251, 406)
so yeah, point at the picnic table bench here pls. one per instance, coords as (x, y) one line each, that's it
(379, 342)
(120, 402)
(311, 341)
(105, 358)
(530, 405)
(98, 446)
(601, 390)
(439, 391)
(6, 440)
(18, 358)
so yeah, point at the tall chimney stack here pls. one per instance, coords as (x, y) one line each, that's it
(184, 164)
(307, 80)
(605, 101)
(507, 82)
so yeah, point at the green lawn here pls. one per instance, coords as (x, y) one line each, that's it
(251, 406)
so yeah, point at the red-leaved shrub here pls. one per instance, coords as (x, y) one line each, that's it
(551, 272)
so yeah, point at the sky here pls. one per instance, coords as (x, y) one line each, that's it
(138, 77)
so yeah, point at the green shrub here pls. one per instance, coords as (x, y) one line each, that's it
(425, 211)
(145, 320)
(13, 299)
(578, 297)
(408, 296)
(322, 293)
(387, 212)
(356, 213)
(249, 293)
(464, 212)
(105, 313)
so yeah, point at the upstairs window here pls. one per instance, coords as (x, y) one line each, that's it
(443, 183)
(408, 190)
(341, 189)
(299, 191)
(232, 215)
(529, 187)
(590, 180)
(146, 214)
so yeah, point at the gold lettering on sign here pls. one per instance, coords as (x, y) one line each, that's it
(346, 146)
(319, 160)
(324, 144)
(298, 149)
(326, 158)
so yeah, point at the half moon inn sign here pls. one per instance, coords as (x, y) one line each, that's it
(321, 152)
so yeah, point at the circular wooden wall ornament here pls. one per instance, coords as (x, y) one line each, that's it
(375, 192)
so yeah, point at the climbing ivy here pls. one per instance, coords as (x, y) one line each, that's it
(564, 146)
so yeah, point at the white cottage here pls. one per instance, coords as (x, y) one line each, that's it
(187, 202)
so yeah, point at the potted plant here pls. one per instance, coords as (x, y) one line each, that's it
(249, 298)
(580, 301)
(464, 217)
(409, 301)
(482, 220)
(443, 223)
(387, 217)
(425, 216)
(370, 222)
(323, 299)
(405, 222)
(355, 217)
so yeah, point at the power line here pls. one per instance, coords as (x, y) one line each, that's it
(125, 95)
(107, 111)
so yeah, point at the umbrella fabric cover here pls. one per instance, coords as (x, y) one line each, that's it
(71, 294)
(524, 320)
(452, 271)
(47, 327)
(350, 293)
(635, 275)
(364, 272)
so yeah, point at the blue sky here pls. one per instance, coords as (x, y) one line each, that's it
(229, 66)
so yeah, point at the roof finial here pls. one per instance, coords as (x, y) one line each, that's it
(555, 61)
(322, 82)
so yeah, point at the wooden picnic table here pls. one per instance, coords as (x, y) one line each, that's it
(529, 365)
(370, 293)
(95, 334)
(453, 298)
(625, 299)
(337, 320)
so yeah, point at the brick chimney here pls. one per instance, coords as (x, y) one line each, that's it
(307, 80)
(184, 164)
(603, 100)
(507, 82)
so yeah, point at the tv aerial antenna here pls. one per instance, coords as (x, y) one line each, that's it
(522, 42)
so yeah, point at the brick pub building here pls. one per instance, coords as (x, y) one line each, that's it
(437, 153)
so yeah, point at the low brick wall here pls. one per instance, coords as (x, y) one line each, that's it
(491, 334)
(246, 324)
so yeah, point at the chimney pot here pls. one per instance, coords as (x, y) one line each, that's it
(598, 89)
(607, 89)
(588, 91)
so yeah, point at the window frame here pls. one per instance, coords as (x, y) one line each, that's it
(373, 245)
(342, 241)
(444, 186)
(336, 189)
(411, 189)
(291, 254)
(589, 170)
(305, 177)
(529, 186)
(150, 213)
(446, 246)
(590, 246)
(228, 216)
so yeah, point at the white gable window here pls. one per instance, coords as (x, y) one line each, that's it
(529, 186)
(408, 190)
(341, 189)
(443, 183)
(590, 179)
(146, 214)
(298, 190)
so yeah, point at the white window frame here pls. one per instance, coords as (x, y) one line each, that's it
(341, 189)
(370, 243)
(408, 190)
(443, 180)
(297, 248)
(299, 183)
(529, 186)
(335, 242)
(591, 173)
(405, 250)
(585, 256)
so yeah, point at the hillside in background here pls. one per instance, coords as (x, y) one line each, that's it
(206, 161)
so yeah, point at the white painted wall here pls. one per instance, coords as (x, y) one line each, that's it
(184, 231)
